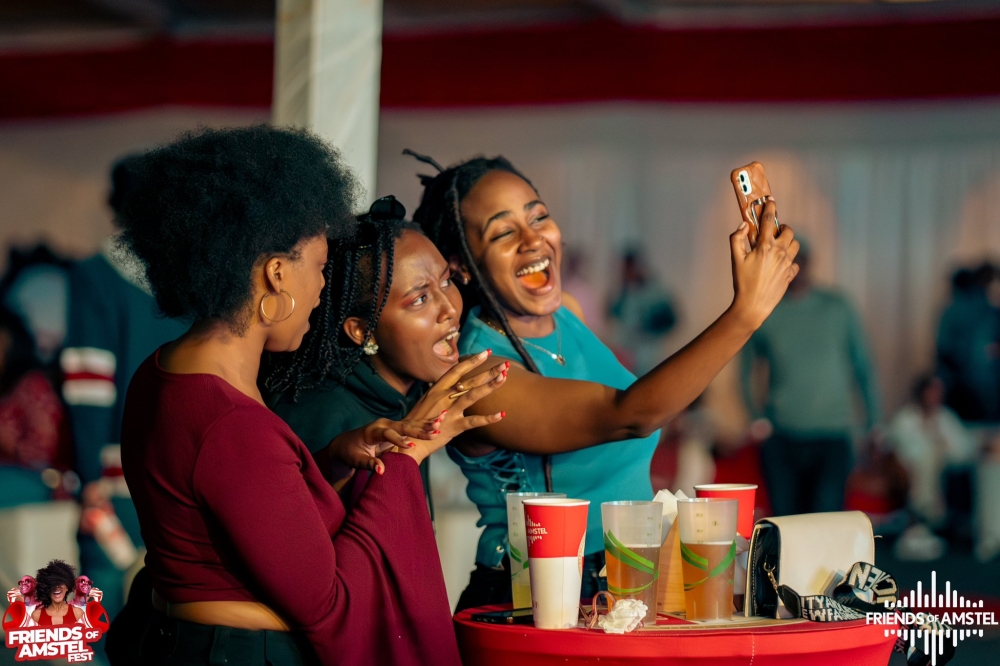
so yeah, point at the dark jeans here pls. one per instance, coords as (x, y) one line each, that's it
(806, 474)
(489, 586)
(170, 642)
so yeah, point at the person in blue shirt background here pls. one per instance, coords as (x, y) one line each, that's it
(566, 393)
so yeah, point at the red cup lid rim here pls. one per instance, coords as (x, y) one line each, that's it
(557, 501)
(726, 486)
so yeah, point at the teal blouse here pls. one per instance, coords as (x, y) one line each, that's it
(603, 473)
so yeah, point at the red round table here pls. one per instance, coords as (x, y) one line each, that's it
(675, 644)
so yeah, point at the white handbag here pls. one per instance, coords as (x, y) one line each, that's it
(811, 553)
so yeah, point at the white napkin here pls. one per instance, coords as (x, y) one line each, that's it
(624, 617)
(669, 502)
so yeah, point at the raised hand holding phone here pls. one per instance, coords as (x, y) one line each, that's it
(761, 275)
(752, 192)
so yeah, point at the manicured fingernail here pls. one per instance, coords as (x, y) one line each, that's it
(506, 364)
(503, 414)
(380, 470)
(489, 351)
(410, 445)
(436, 432)
(444, 412)
(503, 373)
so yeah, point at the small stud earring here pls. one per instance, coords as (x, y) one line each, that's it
(370, 348)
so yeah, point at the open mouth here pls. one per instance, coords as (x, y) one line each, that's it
(447, 347)
(537, 276)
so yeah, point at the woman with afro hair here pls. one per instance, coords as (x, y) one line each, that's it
(53, 583)
(251, 554)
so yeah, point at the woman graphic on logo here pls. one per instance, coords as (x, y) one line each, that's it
(54, 582)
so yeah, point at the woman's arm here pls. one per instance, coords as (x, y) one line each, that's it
(547, 415)
(340, 593)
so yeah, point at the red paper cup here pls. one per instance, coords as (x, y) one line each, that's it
(556, 529)
(742, 492)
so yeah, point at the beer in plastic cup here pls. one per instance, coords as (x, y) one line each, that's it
(745, 494)
(520, 573)
(632, 539)
(707, 529)
(556, 531)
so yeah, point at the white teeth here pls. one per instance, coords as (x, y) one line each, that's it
(533, 268)
(449, 337)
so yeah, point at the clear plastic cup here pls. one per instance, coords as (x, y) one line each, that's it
(520, 572)
(632, 539)
(707, 528)
(557, 530)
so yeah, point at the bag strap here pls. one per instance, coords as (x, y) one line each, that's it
(867, 589)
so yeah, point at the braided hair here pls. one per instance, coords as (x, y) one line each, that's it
(440, 217)
(353, 288)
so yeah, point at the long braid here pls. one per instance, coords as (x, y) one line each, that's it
(440, 216)
(490, 301)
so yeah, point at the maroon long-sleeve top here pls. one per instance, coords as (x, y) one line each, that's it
(233, 508)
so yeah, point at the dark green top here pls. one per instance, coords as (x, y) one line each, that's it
(318, 415)
(817, 356)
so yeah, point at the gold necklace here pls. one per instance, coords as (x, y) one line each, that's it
(557, 357)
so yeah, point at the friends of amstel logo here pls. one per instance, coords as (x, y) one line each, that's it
(939, 619)
(54, 615)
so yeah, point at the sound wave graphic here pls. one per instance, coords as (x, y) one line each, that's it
(934, 640)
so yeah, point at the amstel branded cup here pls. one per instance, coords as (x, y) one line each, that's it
(556, 530)
(520, 572)
(744, 493)
(707, 530)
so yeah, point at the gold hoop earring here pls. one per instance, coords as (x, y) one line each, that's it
(264, 314)
(370, 348)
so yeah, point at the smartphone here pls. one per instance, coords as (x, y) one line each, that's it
(752, 192)
(516, 616)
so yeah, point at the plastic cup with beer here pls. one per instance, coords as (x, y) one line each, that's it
(745, 494)
(556, 530)
(707, 529)
(520, 573)
(632, 539)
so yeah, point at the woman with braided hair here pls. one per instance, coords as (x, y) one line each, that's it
(382, 346)
(567, 397)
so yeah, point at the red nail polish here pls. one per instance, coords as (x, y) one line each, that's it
(436, 432)
(489, 352)
(506, 364)
(410, 444)
(503, 414)
(380, 470)
(444, 412)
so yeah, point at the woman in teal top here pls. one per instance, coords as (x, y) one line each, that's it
(566, 396)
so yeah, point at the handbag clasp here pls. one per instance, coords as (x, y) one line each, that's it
(770, 576)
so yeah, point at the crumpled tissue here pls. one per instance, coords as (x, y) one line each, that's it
(624, 617)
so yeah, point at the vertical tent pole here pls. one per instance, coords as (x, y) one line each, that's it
(328, 56)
